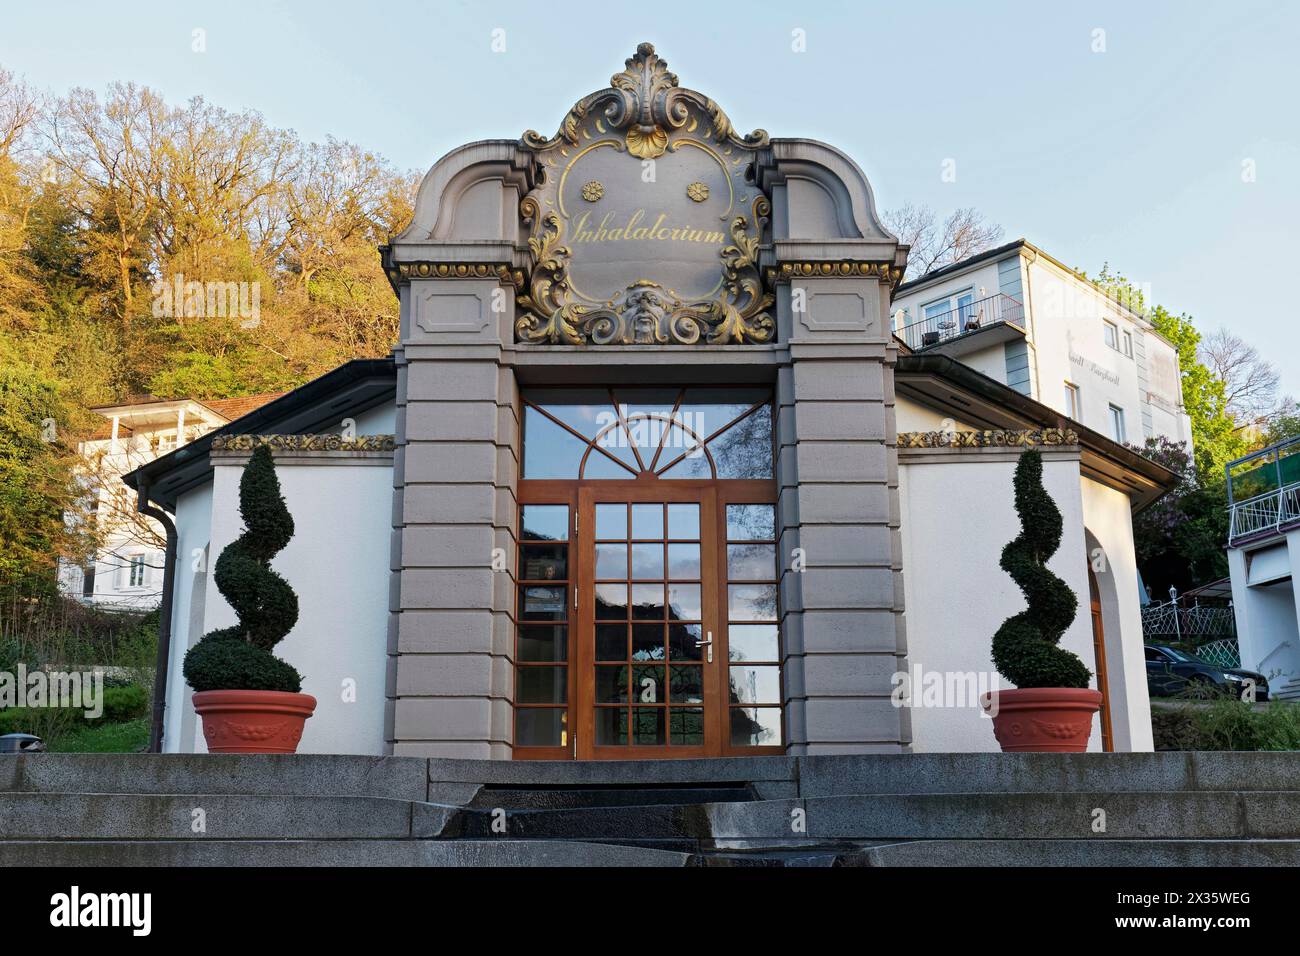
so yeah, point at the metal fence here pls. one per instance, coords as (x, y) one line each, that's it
(1187, 623)
(1221, 653)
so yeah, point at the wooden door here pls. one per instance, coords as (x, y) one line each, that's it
(647, 656)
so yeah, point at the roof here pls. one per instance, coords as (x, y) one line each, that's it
(233, 408)
(980, 257)
(1220, 590)
(351, 388)
(931, 379)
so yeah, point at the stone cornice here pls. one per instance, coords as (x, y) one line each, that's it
(504, 272)
(840, 269)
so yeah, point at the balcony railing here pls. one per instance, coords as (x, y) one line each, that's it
(1269, 512)
(980, 314)
(1264, 491)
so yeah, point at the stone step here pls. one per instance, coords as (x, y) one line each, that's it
(277, 853)
(558, 798)
(458, 782)
(1080, 853)
(547, 853)
(399, 778)
(116, 816)
(778, 823)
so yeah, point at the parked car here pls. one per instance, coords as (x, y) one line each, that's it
(1171, 671)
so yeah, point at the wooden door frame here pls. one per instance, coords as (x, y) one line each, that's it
(1099, 654)
(581, 496)
(641, 492)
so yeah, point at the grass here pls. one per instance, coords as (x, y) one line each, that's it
(128, 736)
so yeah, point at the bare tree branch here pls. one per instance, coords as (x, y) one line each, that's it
(933, 245)
(1250, 381)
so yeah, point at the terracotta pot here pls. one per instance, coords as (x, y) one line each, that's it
(253, 721)
(1043, 719)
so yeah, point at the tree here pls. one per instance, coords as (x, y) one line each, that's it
(37, 484)
(1215, 437)
(1179, 540)
(1026, 648)
(239, 657)
(1250, 381)
(933, 245)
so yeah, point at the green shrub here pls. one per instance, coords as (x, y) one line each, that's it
(1174, 729)
(1226, 724)
(1026, 647)
(120, 704)
(125, 703)
(239, 657)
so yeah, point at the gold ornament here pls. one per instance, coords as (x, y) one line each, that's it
(647, 143)
(698, 191)
(593, 190)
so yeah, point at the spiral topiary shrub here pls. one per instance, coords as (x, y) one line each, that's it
(239, 657)
(1026, 647)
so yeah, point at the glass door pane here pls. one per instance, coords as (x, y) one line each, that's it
(650, 612)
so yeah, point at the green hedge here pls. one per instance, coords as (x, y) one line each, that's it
(120, 704)
(1227, 725)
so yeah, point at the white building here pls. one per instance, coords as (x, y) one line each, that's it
(1263, 551)
(631, 486)
(1023, 318)
(126, 571)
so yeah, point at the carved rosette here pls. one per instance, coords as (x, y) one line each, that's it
(647, 116)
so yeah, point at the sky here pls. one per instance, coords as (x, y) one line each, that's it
(1161, 137)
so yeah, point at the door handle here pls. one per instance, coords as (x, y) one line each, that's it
(708, 644)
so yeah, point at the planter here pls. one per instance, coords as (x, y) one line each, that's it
(1043, 719)
(253, 721)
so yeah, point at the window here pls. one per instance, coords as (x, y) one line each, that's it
(135, 571)
(1072, 407)
(673, 433)
(1117, 424)
(1128, 344)
(754, 671)
(950, 313)
(1156, 656)
(1111, 333)
(88, 581)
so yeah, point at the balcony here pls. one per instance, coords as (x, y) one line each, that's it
(1264, 492)
(977, 325)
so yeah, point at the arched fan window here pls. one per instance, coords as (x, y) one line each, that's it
(626, 434)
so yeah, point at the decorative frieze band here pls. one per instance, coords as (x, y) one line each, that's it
(296, 443)
(456, 270)
(884, 271)
(1027, 438)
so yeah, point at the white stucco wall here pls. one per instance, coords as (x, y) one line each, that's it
(956, 518)
(193, 521)
(1108, 517)
(1265, 606)
(1068, 319)
(909, 416)
(337, 563)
